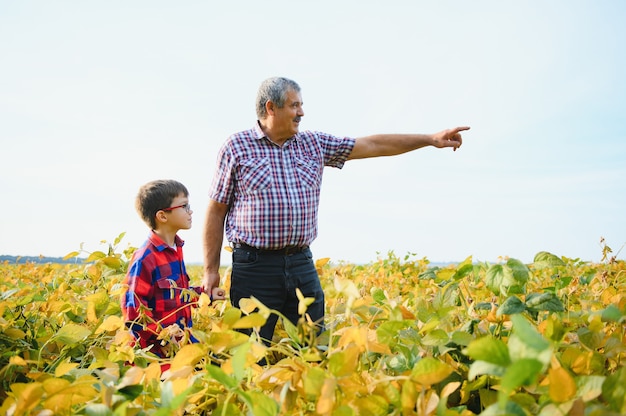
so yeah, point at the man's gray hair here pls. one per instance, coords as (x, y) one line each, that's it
(275, 90)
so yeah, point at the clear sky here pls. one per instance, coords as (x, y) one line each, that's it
(97, 98)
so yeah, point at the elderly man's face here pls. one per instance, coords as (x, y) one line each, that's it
(287, 119)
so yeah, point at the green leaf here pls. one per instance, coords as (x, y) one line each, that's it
(387, 332)
(527, 342)
(544, 259)
(464, 269)
(437, 337)
(71, 334)
(313, 382)
(221, 377)
(508, 278)
(131, 392)
(520, 271)
(97, 409)
(547, 301)
(262, 404)
(612, 314)
(488, 349)
(511, 305)
(344, 363)
(378, 295)
(483, 367)
(522, 372)
(240, 354)
(589, 387)
(461, 338)
(614, 390)
(291, 330)
(590, 339)
(510, 409)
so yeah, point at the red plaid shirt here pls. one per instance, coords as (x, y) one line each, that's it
(273, 191)
(158, 292)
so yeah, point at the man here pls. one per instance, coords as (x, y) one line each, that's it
(265, 195)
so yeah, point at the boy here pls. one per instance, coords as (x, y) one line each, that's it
(158, 293)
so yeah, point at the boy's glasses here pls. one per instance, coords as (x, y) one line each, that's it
(186, 207)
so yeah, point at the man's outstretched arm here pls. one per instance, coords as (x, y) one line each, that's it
(395, 144)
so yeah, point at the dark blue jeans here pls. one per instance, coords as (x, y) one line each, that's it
(272, 278)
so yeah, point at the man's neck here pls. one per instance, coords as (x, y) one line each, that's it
(271, 135)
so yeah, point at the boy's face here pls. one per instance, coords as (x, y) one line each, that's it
(179, 213)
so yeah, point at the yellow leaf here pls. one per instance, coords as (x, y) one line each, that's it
(91, 312)
(55, 385)
(221, 341)
(96, 255)
(188, 355)
(64, 368)
(28, 396)
(429, 371)
(110, 324)
(562, 385)
(303, 303)
(373, 404)
(17, 360)
(408, 397)
(112, 262)
(250, 321)
(406, 314)
(153, 372)
(356, 335)
(131, 377)
(326, 401)
(180, 384)
(14, 333)
(71, 255)
(319, 263)
(373, 345)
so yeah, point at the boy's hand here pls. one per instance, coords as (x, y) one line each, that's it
(217, 293)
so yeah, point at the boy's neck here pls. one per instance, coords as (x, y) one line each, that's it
(169, 237)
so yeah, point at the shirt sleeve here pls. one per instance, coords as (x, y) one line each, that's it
(222, 186)
(137, 313)
(335, 150)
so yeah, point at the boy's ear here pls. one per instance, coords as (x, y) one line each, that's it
(161, 217)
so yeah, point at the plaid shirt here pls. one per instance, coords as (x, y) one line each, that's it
(274, 191)
(156, 295)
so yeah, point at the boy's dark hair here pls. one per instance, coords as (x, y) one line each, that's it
(155, 196)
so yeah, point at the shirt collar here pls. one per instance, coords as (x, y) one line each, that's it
(162, 245)
(259, 134)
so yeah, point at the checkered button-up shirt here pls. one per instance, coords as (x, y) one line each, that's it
(157, 295)
(273, 191)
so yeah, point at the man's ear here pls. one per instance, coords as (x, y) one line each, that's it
(269, 108)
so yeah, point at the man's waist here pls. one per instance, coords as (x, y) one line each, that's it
(290, 249)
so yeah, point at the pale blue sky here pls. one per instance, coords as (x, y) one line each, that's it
(97, 98)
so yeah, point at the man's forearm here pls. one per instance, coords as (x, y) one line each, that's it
(213, 236)
(389, 144)
(395, 144)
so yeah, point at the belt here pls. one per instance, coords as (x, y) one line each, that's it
(284, 251)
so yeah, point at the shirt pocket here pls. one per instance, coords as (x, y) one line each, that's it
(309, 172)
(167, 295)
(255, 174)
